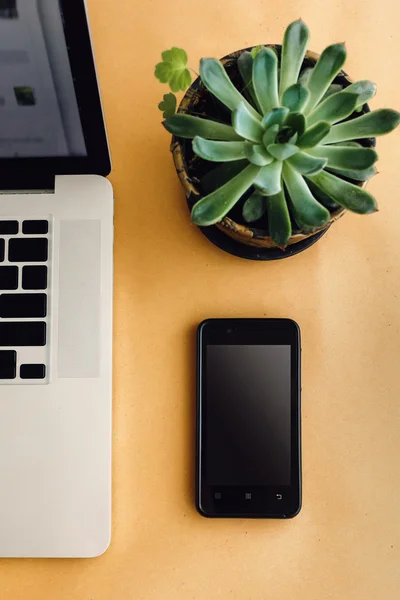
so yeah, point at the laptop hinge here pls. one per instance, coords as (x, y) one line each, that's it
(27, 183)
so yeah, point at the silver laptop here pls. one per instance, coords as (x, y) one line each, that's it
(56, 241)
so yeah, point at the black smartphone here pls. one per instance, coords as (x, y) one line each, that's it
(248, 456)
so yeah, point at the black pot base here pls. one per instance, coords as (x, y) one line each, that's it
(228, 244)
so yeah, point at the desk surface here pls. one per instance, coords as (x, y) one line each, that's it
(344, 292)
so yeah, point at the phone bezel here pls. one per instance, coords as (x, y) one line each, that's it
(265, 500)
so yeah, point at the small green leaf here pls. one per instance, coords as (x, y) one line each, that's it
(219, 151)
(306, 164)
(282, 151)
(257, 154)
(216, 80)
(293, 51)
(256, 50)
(365, 90)
(280, 226)
(245, 65)
(246, 125)
(221, 174)
(215, 206)
(377, 122)
(308, 212)
(187, 126)
(314, 135)
(265, 79)
(173, 70)
(346, 158)
(268, 181)
(297, 122)
(333, 109)
(355, 174)
(328, 66)
(254, 207)
(168, 105)
(295, 97)
(276, 116)
(269, 136)
(346, 194)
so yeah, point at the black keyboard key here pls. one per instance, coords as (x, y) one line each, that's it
(34, 278)
(8, 227)
(2, 246)
(28, 250)
(8, 278)
(23, 306)
(32, 333)
(32, 227)
(8, 362)
(32, 372)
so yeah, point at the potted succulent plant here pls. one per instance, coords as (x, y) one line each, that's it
(274, 143)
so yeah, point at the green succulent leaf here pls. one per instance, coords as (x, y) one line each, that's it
(305, 76)
(173, 70)
(246, 125)
(328, 66)
(187, 126)
(257, 154)
(293, 51)
(377, 122)
(295, 97)
(308, 212)
(215, 206)
(285, 135)
(297, 122)
(265, 79)
(256, 50)
(245, 65)
(322, 198)
(216, 80)
(282, 151)
(219, 151)
(345, 194)
(334, 88)
(365, 90)
(280, 227)
(335, 108)
(314, 135)
(276, 116)
(356, 175)
(215, 178)
(268, 181)
(254, 208)
(350, 144)
(306, 164)
(269, 136)
(168, 105)
(346, 158)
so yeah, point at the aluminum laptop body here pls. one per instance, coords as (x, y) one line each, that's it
(56, 248)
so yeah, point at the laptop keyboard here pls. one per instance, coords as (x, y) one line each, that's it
(24, 278)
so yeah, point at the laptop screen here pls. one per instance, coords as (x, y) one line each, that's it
(49, 102)
(38, 105)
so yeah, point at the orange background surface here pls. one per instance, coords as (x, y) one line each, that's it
(344, 292)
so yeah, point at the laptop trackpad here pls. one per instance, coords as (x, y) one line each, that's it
(79, 299)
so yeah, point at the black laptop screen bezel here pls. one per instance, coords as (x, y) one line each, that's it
(13, 171)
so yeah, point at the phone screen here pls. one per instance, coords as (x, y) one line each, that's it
(248, 391)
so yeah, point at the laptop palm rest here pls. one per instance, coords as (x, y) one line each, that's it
(79, 296)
